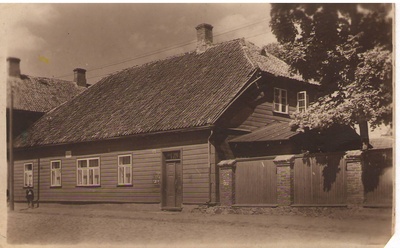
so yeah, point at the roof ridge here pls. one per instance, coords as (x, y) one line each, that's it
(151, 97)
(245, 51)
(56, 79)
(171, 57)
(270, 63)
(48, 78)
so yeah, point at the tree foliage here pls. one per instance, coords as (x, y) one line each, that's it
(277, 50)
(348, 49)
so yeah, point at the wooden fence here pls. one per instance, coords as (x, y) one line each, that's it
(317, 180)
(377, 178)
(255, 182)
(320, 180)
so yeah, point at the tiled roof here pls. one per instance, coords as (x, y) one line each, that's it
(269, 63)
(186, 91)
(272, 132)
(40, 94)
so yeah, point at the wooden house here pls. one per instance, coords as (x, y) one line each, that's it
(34, 96)
(154, 133)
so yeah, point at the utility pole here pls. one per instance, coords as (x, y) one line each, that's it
(11, 151)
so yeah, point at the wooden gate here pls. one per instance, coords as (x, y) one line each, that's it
(377, 178)
(255, 183)
(320, 180)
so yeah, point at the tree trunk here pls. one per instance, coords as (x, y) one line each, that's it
(364, 134)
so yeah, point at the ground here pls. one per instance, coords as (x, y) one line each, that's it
(130, 225)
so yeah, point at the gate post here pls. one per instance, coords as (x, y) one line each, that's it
(284, 180)
(227, 182)
(355, 188)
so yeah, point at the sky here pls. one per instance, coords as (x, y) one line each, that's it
(53, 39)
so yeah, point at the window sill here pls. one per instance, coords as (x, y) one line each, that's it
(88, 186)
(124, 185)
(280, 114)
(55, 186)
(27, 187)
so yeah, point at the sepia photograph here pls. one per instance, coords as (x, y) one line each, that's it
(198, 125)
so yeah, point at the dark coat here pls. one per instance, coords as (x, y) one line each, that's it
(29, 194)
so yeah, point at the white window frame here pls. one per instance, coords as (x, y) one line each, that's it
(305, 100)
(126, 169)
(56, 172)
(280, 101)
(89, 172)
(28, 175)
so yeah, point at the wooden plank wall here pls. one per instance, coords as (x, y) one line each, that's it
(255, 182)
(320, 180)
(146, 167)
(196, 176)
(263, 115)
(378, 178)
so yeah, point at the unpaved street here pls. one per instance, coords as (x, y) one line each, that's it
(127, 226)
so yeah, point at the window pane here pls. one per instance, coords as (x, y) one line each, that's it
(30, 180)
(93, 163)
(28, 167)
(121, 175)
(284, 108)
(284, 98)
(55, 165)
(58, 178)
(82, 163)
(172, 155)
(85, 177)
(124, 160)
(91, 177)
(277, 96)
(128, 175)
(284, 94)
(79, 177)
(276, 92)
(96, 173)
(276, 107)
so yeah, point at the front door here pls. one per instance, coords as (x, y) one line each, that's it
(172, 181)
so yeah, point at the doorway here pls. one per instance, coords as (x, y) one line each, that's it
(172, 192)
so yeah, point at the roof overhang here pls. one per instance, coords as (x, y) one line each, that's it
(183, 130)
(276, 131)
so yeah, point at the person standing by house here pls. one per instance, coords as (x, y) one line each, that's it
(29, 197)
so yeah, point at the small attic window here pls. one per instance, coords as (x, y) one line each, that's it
(280, 101)
(302, 101)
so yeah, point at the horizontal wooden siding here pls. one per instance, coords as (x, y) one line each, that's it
(263, 114)
(146, 169)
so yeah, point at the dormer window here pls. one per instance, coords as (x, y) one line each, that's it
(280, 101)
(302, 101)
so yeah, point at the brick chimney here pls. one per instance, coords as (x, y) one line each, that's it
(204, 37)
(13, 67)
(80, 77)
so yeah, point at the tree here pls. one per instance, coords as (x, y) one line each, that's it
(277, 50)
(347, 48)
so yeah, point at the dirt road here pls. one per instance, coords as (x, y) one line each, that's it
(120, 225)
